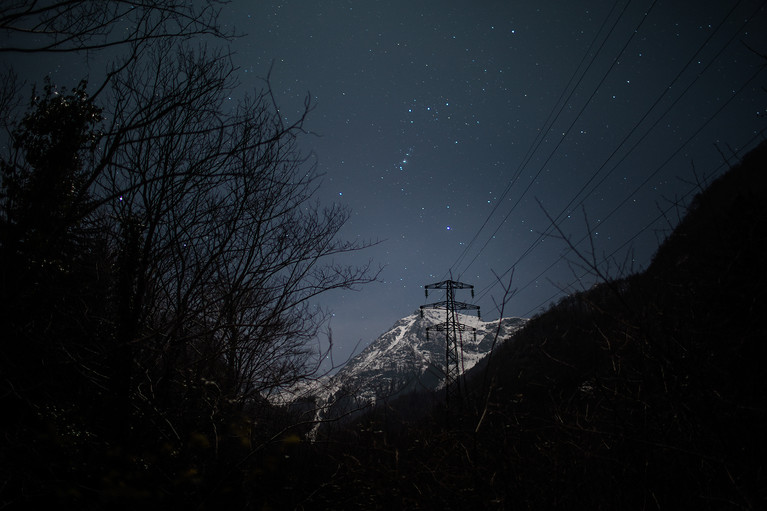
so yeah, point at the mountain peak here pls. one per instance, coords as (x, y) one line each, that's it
(405, 359)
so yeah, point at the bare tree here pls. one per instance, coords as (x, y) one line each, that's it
(60, 26)
(88, 27)
(164, 254)
(221, 248)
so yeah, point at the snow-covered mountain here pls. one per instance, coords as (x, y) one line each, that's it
(401, 360)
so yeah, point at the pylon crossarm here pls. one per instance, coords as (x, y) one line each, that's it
(466, 306)
(435, 305)
(441, 327)
(449, 283)
(446, 305)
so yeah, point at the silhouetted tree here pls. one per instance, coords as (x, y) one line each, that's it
(42, 237)
(162, 252)
(215, 203)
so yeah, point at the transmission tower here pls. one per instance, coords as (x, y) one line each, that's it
(453, 334)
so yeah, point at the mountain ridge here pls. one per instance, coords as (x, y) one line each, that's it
(402, 359)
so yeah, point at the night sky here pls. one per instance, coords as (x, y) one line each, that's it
(447, 126)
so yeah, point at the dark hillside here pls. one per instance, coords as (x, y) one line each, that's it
(644, 393)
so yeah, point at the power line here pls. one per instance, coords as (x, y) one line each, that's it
(653, 221)
(564, 135)
(663, 214)
(540, 137)
(636, 125)
(653, 174)
(624, 245)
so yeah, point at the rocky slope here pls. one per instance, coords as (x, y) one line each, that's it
(401, 360)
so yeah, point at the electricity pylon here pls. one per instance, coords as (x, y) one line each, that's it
(453, 338)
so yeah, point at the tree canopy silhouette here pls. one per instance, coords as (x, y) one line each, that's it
(161, 256)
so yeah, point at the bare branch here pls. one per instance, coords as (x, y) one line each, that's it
(67, 26)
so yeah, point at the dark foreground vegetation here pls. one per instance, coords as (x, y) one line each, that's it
(644, 392)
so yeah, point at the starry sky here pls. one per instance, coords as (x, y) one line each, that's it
(455, 132)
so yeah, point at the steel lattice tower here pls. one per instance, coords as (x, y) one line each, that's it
(452, 328)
